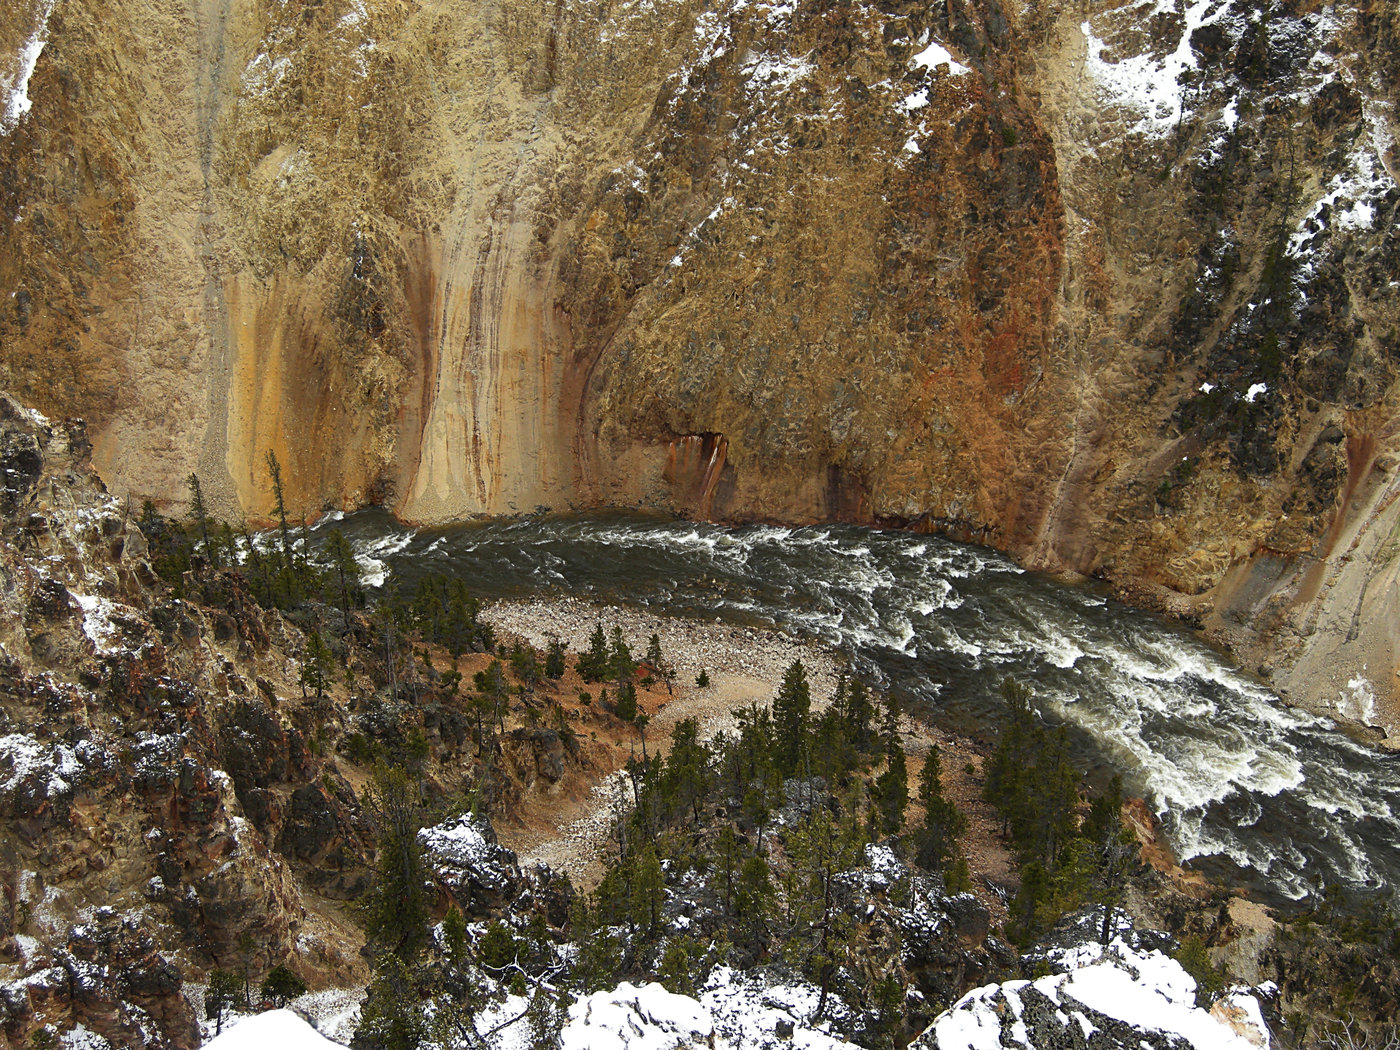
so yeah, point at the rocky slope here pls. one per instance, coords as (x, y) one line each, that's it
(1111, 287)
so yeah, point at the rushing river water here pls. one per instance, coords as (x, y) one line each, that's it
(1242, 781)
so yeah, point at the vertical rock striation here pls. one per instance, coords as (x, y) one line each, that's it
(1113, 288)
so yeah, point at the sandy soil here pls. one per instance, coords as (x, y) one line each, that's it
(745, 666)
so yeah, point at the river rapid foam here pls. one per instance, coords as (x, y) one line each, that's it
(1273, 796)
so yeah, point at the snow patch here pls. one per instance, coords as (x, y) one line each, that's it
(1145, 990)
(1146, 84)
(1359, 699)
(276, 1028)
(262, 75)
(460, 853)
(97, 622)
(17, 101)
(936, 55)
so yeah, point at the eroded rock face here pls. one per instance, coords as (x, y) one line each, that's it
(146, 799)
(1111, 288)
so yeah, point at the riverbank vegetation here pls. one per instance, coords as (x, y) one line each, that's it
(733, 851)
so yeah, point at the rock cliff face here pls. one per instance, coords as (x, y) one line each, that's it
(1111, 287)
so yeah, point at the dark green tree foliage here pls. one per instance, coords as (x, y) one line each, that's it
(833, 755)
(1035, 786)
(626, 701)
(621, 665)
(199, 517)
(597, 963)
(444, 613)
(498, 948)
(791, 711)
(396, 905)
(935, 841)
(168, 543)
(225, 991)
(892, 789)
(554, 665)
(595, 663)
(753, 901)
(821, 849)
(391, 1017)
(317, 665)
(1031, 780)
(281, 986)
(344, 573)
(454, 934)
(1024, 914)
(686, 778)
(858, 712)
(274, 471)
(525, 665)
(1195, 959)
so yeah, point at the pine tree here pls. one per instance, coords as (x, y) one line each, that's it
(1035, 884)
(626, 701)
(648, 890)
(200, 516)
(654, 659)
(554, 659)
(753, 897)
(493, 691)
(791, 710)
(396, 906)
(685, 779)
(346, 572)
(281, 986)
(225, 989)
(593, 665)
(936, 841)
(274, 469)
(620, 663)
(316, 665)
(391, 1017)
(860, 715)
(454, 934)
(892, 789)
(525, 665)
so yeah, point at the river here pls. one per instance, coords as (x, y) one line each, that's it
(1247, 786)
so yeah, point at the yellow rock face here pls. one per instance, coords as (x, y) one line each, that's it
(1111, 288)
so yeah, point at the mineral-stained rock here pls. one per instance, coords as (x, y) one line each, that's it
(1087, 283)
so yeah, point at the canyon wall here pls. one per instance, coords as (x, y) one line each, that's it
(1112, 287)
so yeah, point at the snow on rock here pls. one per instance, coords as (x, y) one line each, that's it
(935, 55)
(751, 1011)
(105, 622)
(1146, 84)
(16, 93)
(735, 1011)
(1358, 700)
(632, 1017)
(47, 770)
(1124, 996)
(464, 855)
(274, 1030)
